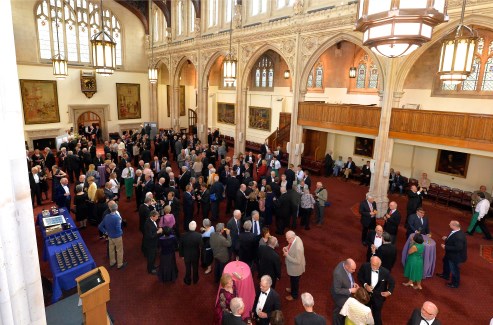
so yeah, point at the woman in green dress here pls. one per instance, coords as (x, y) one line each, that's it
(414, 263)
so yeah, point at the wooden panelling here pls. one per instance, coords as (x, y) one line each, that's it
(351, 118)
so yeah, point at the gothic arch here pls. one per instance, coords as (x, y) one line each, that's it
(354, 38)
(179, 66)
(208, 66)
(439, 33)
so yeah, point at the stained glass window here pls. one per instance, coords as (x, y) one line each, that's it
(488, 75)
(316, 77)
(470, 83)
(361, 76)
(264, 73)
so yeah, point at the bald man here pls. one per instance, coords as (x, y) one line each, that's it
(428, 312)
(392, 220)
(379, 284)
(343, 285)
(373, 241)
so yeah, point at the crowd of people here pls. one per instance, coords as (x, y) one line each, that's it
(258, 193)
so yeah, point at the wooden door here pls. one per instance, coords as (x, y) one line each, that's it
(315, 144)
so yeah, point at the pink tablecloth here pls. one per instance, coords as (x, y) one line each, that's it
(245, 286)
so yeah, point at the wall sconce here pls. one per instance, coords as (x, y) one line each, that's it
(287, 74)
(352, 72)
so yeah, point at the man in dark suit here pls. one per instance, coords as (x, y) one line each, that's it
(455, 247)
(428, 313)
(264, 148)
(217, 188)
(72, 164)
(349, 168)
(290, 176)
(418, 223)
(234, 317)
(232, 187)
(343, 285)
(415, 199)
(151, 237)
(308, 317)
(187, 206)
(184, 178)
(308, 180)
(328, 163)
(235, 226)
(365, 176)
(257, 224)
(266, 301)
(283, 211)
(191, 243)
(241, 199)
(205, 200)
(379, 284)
(387, 252)
(248, 244)
(35, 184)
(368, 211)
(374, 240)
(392, 220)
(148, 185)
(398, 183)
(144, 214)
(269, 262)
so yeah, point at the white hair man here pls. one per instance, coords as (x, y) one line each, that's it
(191, 244)
(308, 316)
(294, 254)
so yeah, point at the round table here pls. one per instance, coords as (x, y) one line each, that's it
(429, 255)
(242, 276)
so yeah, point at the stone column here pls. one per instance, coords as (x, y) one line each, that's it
(383, 145)
(296, 134)
(153, 110)
(175, 108)
(240, 117)
(21, 295)
(202, 114)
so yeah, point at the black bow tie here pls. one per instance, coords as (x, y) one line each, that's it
(265, 293)
(375, 271)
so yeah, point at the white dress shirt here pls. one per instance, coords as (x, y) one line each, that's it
(374, 278)
(482, 208)
(261, 300)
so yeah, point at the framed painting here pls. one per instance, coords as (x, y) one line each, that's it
(226, 113)
(168, 99)
(128, 101)
(39, 101)
(259, 118)
(364, 147)
(452, 163)
(182, 101)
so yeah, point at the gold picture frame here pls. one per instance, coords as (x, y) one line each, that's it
(364, 147)
(128, 101)
(39, 101)
(452, 163)
(226, 113)
(260, 118)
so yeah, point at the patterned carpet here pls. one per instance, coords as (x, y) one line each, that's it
(486, 252)
(138, 298)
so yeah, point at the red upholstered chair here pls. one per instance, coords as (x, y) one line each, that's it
(433, 190)
(444, 194)
(456, 197)
(413, 181)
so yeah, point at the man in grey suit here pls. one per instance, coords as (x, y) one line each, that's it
(295, 263)
(343, 285)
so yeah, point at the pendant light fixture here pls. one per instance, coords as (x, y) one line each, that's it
(103, 50)
(394, 28)
(230, 62)
(60, 70)
(457, 53)
(352, 69)
(287, 74)
(152, 68)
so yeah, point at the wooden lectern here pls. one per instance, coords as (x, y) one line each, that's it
(94, 291)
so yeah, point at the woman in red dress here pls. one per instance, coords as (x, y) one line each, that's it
(227, 292)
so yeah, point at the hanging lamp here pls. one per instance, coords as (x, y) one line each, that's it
(352, 69)
(60, 70)
(103, 50)
(153, 75)
(230, 62)
(394, 28)
(457, 53)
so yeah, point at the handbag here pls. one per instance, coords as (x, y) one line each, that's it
(213, 197)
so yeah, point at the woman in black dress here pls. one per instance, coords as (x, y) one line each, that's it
(81, 206)
(168, 271)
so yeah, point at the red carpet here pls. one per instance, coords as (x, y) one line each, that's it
(138, 298)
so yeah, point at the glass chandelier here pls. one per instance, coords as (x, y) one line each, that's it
(60, 70)
(103, 50)
(395, 28)
(230, 62)
(457, 53)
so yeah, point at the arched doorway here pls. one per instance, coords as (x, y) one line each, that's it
(87, 119)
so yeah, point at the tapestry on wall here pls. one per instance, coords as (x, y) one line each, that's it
(182, 101)
(226, 113)
(364, 147)
(128, 101)
(40, 101)
(452, 163)
(259, 118)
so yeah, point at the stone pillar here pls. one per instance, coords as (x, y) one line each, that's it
(383, 145)
(153, 110)
(240, 117)
(21, 295)
(175, 108)
(202, 114)
(396, 101)
(296, 133)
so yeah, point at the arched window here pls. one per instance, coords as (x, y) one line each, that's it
(316, 78)
(228, 13)
(213, 11)
(78, 21)
(160, 25)
(263, 74)
(192, 16)
(259, 7)
(180, 18)
(366, 74)
(480, 81)
(284, 3)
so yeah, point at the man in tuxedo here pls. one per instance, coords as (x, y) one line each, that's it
(387, 252)
(187, 206)
(455, 247)
(241, 198)
(234, 317)
(308, 317)
(418, 223)
(428, 313)
(290, 176)
(204, 198)
(392, 220)
(343, 285)
(248, 244)
(379, 284)
(191, 243)
(234, 224)
(365, 176)
(72, 164)
(415, 199)
(217, 188)
(232, 187)
(184, 178)
(308, 180)
(62, 194)
(35, 184)
(368, 211)
(349, 168)
(373, 241)
(283, 211)
(266, 301)
(151, 237)
(294, 254)
(269, 262)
